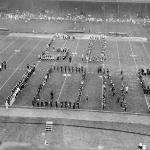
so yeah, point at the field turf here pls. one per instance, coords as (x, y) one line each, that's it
(18, 52)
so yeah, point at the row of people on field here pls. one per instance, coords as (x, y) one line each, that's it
(49, 56)
(118, 34)
(21, 84)
(81, 87)
(42, 84)
(68, 69)
(103, 47)
(56, 104)
(146, 88)
(121, 95)
(63, 50)
(94, 59)
(97, 37)
(144, 71)
(3, 65)
(64, 36)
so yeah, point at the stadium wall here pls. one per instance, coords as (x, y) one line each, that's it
(111, 1)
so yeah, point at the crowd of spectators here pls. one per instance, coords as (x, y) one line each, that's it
(28, 16)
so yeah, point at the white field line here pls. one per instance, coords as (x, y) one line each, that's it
(8, 46)
(145, 49)
(3, 39)
(11, 57)
(16, 52)
(102, 94)
(132, 54)
(146, 100)
(20, 65)
(118, 55)
(67, 76)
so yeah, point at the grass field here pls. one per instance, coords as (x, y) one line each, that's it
(18, 52)
(120, 54)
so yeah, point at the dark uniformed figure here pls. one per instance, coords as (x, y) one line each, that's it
(28, 66)
(56, 104)
(52, 95)
(70, 59)
(79, 69)
(42, 104)
(86, 98)
(58, 58)
(76, 69)
(73, 106)
(65, 68)
(4, 64)
(58, 68)
(72, 69)
(50, 71)
(33, 103)
(82, 69)
(121, 72)
(47, 75)
(125, 107)
(54, 68)
(51, 103)
(69, 104)
(77, 104)
(66, 104)
(46, 104)
(61, 104)
(37, 104)
(69, 69)
(118, 99)
(122, 78)
(61, 68)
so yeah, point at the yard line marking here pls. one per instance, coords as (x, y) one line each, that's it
(67, 76)
(8, 46)
(1, 40)
(15, 51)
(132, 54)
(20, 65)
(10, 57)
(146, 100)
(145, 49)
(118, 54)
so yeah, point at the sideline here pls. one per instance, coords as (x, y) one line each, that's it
(79, 36)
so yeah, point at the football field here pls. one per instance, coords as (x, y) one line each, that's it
(127, 55)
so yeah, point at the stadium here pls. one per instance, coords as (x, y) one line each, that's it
(74, 74)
